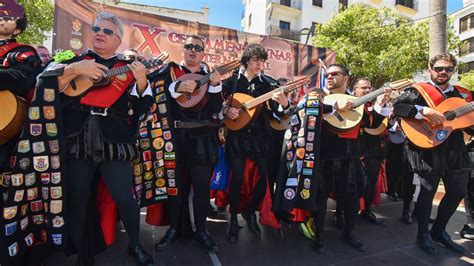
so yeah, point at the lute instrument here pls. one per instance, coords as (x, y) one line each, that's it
(83, 84)
(250, 107)
(345, 121)
(198, 98)
(459, 114)
(12, 115)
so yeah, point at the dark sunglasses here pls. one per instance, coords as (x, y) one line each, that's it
(106, 31)
(190, 46)
(335, 73)
(440, 69)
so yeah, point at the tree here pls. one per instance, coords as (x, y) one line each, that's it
(40, 15)
(467, 80)
(437, 27)
(379, 44)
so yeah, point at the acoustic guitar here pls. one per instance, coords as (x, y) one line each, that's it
(80, 85)
(459, 114)
(250, 107)
(345, 121)
(12, 115)
(198, 98)
(379, 130)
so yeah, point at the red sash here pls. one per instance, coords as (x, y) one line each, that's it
(176, 72)
(465, 93)
(106, 96)
(5, 49)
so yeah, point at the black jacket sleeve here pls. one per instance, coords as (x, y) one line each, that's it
(21, 76)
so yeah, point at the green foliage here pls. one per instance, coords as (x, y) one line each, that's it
(379, 44)
(40, 15)
(467, 80)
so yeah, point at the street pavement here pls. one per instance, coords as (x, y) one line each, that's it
(393, 244)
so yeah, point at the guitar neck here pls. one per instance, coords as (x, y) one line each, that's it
(221, 69)
(460, 111)
(124, 69)
(267, 96)
(368, 97)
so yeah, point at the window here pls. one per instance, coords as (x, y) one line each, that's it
(284, 25)
(466, 23)
(343, 2)
(466, 67)
(318, 3)
(467, 47)
(285, 2)
(407, 3)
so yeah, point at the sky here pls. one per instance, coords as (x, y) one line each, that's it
(228, 13)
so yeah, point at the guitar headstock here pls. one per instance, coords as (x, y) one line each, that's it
(11, 9)
(158, 61)
(401, 84)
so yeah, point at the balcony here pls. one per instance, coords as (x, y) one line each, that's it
(275, 31)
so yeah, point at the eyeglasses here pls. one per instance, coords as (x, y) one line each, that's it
(440, 69)
(106, 31)
(131, 57)
(335, 73)
(190, 46)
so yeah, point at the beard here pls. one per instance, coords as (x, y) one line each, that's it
(440, 82)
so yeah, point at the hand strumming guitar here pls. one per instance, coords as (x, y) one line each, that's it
(343, 105)
(88, 68)
(187, 86)
(435, 117)
(232, 112)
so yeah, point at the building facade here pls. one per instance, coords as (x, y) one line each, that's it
(463, 21)
(285, 18)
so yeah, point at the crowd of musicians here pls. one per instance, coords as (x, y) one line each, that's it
(135, 129)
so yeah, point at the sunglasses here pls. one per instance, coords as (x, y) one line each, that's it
(440, 69)
(195, 47)
(8, 19)
(106, 31)
(335, 73)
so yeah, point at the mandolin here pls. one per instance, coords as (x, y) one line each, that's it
(250, 107)
(379, 130)
(345, 121)
(80, 85)
(198, 98)
(459, 114)
(12, 115)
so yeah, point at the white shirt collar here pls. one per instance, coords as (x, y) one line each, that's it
(242, 71)
(448, 89)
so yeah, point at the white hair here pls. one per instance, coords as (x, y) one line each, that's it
(112, 18)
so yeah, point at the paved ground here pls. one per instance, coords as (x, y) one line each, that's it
(390, 245)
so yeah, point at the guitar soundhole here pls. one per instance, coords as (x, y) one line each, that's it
(188, 96)
(450, 115)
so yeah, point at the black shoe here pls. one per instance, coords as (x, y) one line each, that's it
(167, 240)
(339, 220)
(394, 196)
(426, 243)
(212, 212)
(319, 244)
(467, 232)
(141, 256)
(406, 217)
(205, 241)
(252, 224)
(446, 240)
(432, 220)
(355, 242)
(370, 217)
(233, 231)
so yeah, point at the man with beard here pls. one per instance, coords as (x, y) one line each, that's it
(341, 169)
(196, 141)
(448, 161)
(373, 156)
(100, 136)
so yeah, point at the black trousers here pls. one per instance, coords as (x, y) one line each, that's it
(238, 166)
(349, 203)
(372, 167)
(397, 169)
(118, 178)
(469, 201)
(455, 186)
